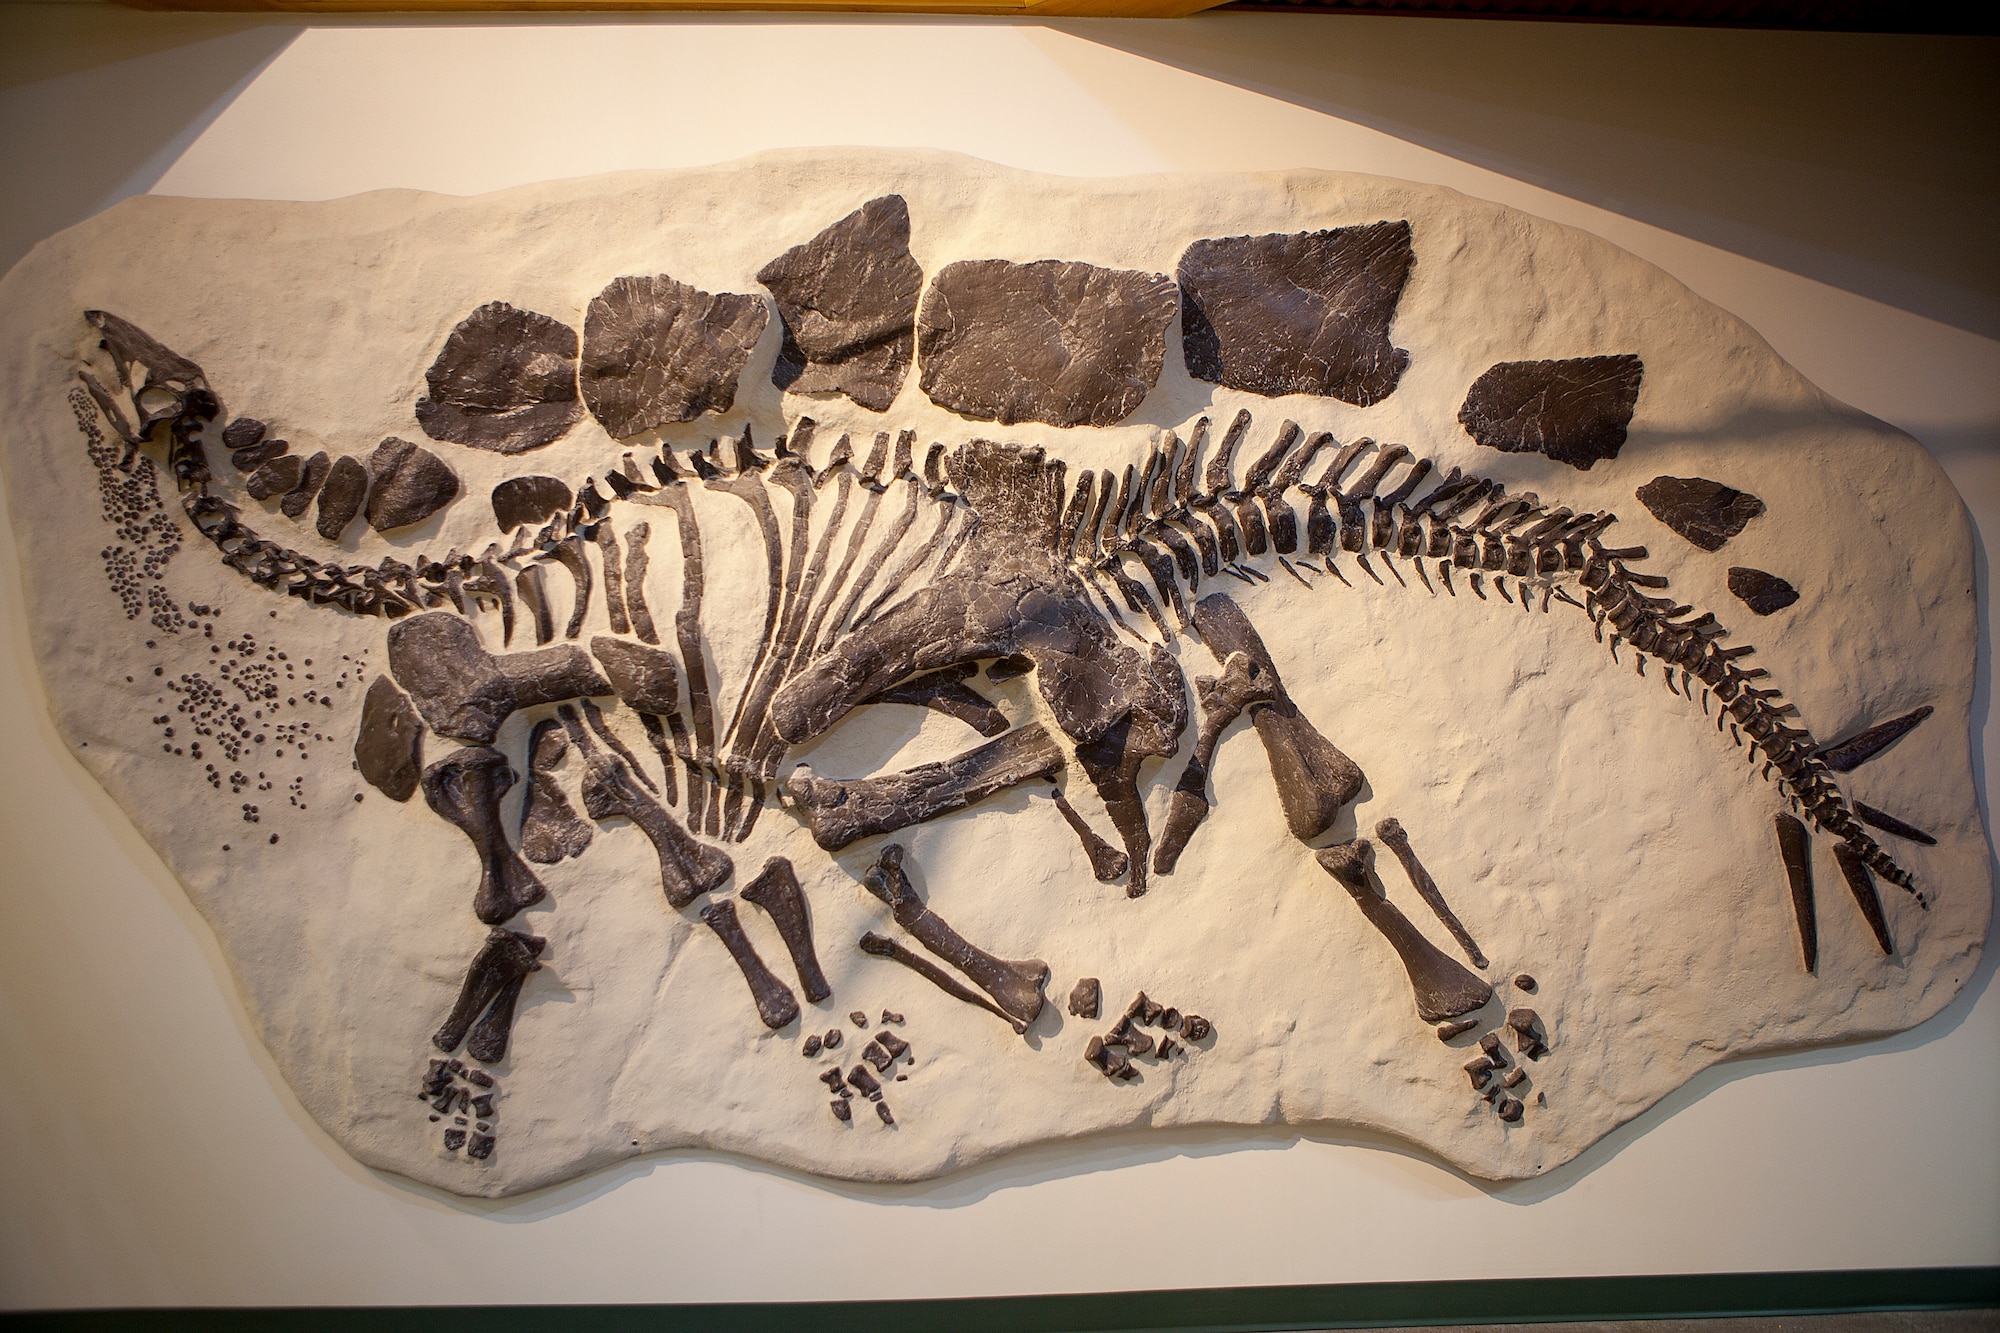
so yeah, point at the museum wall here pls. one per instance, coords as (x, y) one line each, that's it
(1837, 192)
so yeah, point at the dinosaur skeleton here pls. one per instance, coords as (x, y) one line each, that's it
(888, 581)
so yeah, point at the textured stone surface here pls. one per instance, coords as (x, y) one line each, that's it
(1065, 344)
(1299, 312)
(657, 351)
(848, 300)
(1573, 411)
(410, 484)
(1705, 512)
(1589, 826)
(505, 381)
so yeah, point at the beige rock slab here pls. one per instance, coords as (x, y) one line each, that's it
(1589, 826)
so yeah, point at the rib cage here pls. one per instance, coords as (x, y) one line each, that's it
(1157, 516)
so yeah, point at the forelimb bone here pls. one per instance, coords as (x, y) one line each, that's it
(841, 811)
(1015, 986)
(1444, 988)
(465, 787)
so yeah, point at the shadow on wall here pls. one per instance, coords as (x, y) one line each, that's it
(95, 106)
(1869, 163)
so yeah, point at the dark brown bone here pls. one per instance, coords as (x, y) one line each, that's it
(409, 484)
(1844, 756)
(532, 587)
(341, 498)
(614, 579)
(776, 890)
(1529, 1038)
(842, 811)
(464, 692)
(1086, 998)
(503, 960)
(465, 787)
(687, 868)
(1396, 840)
(529, 500)
(945, 692)
(505, 380)
(550, 829)
(1112, 761)
(1862, 883)
(776, 1004)
(1444, 988)
(646, 679)
(1888, 823)
(1796, 850)
(882, 947)
(1006, 594)
(1107, 863)
(636, 563)
(296, 500)
(389, 750)
(1015, 986)
(1314, 779)
(1223, 698)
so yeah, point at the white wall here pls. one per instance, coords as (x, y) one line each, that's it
(150, 1155)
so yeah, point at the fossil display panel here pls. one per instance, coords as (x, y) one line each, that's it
(868, 660)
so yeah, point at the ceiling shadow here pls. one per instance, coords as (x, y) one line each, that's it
(96, 102)
(1870, 163)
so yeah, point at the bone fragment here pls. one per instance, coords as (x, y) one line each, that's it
(464, 692)
(1888, 823)
(1195, 1028)
(1456, 1028)
(1085, 998)
(841, 811)
(842, 1110)
(1444, 989)
(1315, 780)
(532, 587)
(465, 787)
(883, 947)
(550, 829)
(865, 1082)
(1796, 850)
(1529, 1038)
(776, 1004)
(645, 678)
(776, 890)
(389, 750)
(1392, 835)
